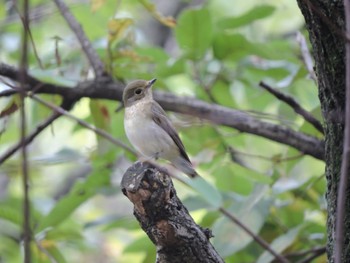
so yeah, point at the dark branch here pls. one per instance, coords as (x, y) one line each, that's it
(23, 67)
(295, 105)
(90, 52)
(165, 219)
(242, 121)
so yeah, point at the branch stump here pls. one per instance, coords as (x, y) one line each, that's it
(166, 221)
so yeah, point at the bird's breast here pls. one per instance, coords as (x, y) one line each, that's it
(145, 135)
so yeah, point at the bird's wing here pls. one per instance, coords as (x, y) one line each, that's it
(159, 116)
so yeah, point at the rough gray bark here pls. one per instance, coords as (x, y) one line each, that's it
(165, 219)
(325, 23)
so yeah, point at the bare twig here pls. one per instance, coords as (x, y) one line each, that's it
(306, 56)
(257, 238)
(233, 152)
(65, 104)
(98, 131)
(217, 114)
(315, 253)
(90, 52)
(27, 233)
(295, 105)
(344, 174)
(26, 26)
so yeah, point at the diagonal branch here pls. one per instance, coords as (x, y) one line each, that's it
(220, 115)
(62, 111)
(29, 138)
(257, 238)
(294, 104)
(90, 52)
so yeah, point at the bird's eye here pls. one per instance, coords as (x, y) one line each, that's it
(138, 91)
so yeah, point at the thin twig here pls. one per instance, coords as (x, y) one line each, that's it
(26, 26)
(89, 51)
(344, 173)
(100, 132)
(294, 105)
(233, 151)
(257, 239)
(27, 233)
(65, 104)
(316, 253)
(303, 253)
(307, 58)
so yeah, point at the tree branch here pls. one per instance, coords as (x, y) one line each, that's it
(220, 115)
(257, 238)
(89, 51)
(165, 219)
(29, 138)
(23, 67)
(87, 125)
(294, 105)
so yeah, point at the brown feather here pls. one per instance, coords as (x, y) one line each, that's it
(159, 117)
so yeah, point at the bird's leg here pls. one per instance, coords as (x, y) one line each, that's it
(155, 156)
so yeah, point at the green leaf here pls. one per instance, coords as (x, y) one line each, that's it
(207, 191)
(80, 192)
(56, 254)
(138, 244)
(280, 244)
(229, 237)
(11, 214)
(226, 45)
(194, 32)
(102, 119)
(252, 15)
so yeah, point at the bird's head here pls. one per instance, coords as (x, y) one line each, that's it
(137, 90)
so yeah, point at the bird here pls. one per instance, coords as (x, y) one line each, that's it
(149, 129)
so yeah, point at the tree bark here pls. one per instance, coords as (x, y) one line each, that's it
(165, 219)
(325, 24)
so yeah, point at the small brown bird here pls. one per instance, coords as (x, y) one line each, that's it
(149, 129)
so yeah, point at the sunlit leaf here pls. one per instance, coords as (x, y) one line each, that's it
(165, 20)
(97, 4)
(229, 237)
(252, 15)
(206, 190)
(80, 192)
(117, 28)
(280, 244)
(194, 32)
(102, 119)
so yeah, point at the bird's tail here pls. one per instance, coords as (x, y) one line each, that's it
(184, 166)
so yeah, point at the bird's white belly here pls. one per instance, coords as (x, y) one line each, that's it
(148, 138)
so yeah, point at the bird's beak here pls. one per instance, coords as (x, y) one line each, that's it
(150, 83)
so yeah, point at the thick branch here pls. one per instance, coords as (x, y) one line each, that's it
(105, 89)
(165, 219)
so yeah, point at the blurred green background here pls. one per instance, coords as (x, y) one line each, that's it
(217, 51)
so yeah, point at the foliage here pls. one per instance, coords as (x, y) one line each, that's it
(216, 54)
